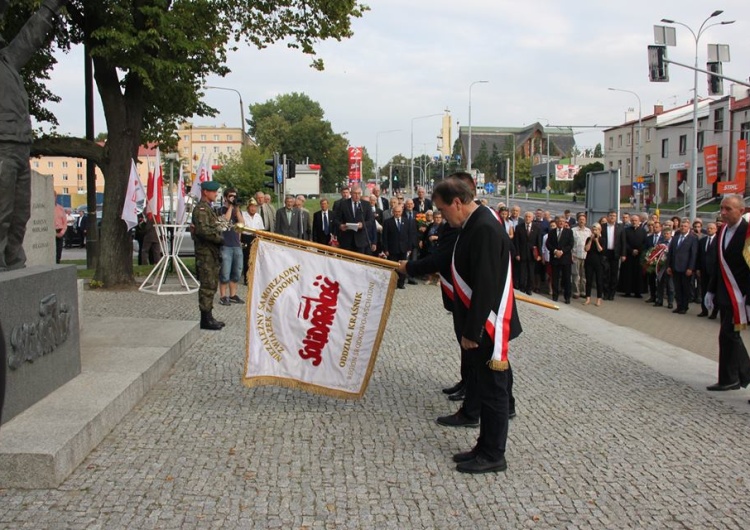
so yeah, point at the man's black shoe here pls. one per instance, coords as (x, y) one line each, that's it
(208, 323)
(703, 314)
(721, 388)
(457, 420)
(712, 316)
(481, 465)
(455, 388)
(468, 456)
(458, 396)
(567, 300)
(412, 282)
(401, 287)
(658, 304)
(554, 299)
(669, 306)
(649, 300)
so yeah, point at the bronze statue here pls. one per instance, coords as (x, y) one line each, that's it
(15, 131)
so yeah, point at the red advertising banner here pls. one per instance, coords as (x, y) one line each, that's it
(355, 166)
(711, 162)
(738, 184)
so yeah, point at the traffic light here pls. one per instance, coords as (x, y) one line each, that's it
(657, 65)
(273, 172)
(715, 83)
(291, 168)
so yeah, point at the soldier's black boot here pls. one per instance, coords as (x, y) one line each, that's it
(212, 319)
(207, 322)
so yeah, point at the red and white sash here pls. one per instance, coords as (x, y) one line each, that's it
(497, 324)
(739, 312)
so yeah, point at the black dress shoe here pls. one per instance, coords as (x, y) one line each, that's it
(721, 388)
(703, 314)
(455, 388)
(458, 396)
(481, 465)
(567, 300)
(468, 456)
(681, 311)
(457, 420)
(650, 300)
(412, 282)
(554, 299)
(677, 310)
(658, 304)
(401, 287)
(528, 293)
(712, 316)
(669, 306)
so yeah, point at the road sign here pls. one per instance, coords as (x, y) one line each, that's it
(279, 173)
(489, 188)
(638, 185)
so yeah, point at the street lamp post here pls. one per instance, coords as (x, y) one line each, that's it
(693, 182)
(411, 172)
(242, 109)
(377, 167)
(635, 170)
(468, 155)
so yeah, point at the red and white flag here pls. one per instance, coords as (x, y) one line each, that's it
(181, 213)
(133, 196)
(315, 321)
(202, 174)
(155, 191)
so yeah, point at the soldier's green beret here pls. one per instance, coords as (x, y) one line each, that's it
(211, 185)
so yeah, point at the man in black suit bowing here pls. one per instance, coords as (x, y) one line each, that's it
(560, 245)
(398, 236)
(707, 263)
(353, 212)
(527, 239)
(683, 254)
(322, 224)
(728, 290)
(614, 251)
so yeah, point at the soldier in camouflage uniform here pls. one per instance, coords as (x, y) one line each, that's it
(207, 233)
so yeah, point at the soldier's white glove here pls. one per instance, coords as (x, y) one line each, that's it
(708, 301)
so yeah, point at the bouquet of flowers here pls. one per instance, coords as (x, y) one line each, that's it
(655, 261)
(421, 219)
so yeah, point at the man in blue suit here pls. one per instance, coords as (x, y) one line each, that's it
(683, 255)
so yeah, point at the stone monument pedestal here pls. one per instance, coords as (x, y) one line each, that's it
(39, 314)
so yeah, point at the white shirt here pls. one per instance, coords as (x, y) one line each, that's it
(610, 237)
(730, 233)
(253, 221)
(580, 235)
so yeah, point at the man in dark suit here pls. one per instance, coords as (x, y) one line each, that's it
(421, 202)
(651, 241)
(560, 245)
(683, 254)
(305, 219)
(382, 202)
(526, 240)
(336, 207)
(635, 241)
(322, 224)
(614, 252)
(287, 219)
(734, 364)
(354, 212)
(397, 239)
(707, 263)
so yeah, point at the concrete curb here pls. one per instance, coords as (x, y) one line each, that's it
(121, 360)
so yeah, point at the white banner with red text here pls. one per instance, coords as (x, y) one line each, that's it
(315, 321)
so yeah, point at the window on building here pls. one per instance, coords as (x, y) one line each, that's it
(64, 163)
(50, 164)
(80, 177)
(718, 120)
(683, 144)
(229, 137)
(79, 163)
(619, 164)
(186, 138)
(648, 134)
(611, 165)
(203, 137)
(65, 191)
(745, 131)
(203, 149)
(665, 148)
(36, 164)
(216, 137)
(619, 140)
(230, 149)
(648, 164)
(216, 149)
(720, 160)
(628, 170)
(65, 176)
(700, 177)
(638, 137)
(629, 139)
(611, 142)
(700, 140)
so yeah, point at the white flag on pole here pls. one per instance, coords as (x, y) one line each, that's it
(135, 194)
(315, 321)
(181, 213)
(201, 175)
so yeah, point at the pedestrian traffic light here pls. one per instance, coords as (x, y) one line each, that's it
(291, 168)
(657, 64)
(274, 163)
(715, 82)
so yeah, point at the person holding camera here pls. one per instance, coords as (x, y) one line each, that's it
(594, 264)
(231, 252)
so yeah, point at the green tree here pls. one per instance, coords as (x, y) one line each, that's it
(523, 171)
(579, 181)
(495, 159)
(151, 59)
(598, 151)
(482, 160)
(245, 171)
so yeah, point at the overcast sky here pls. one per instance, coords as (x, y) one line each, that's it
(545, 60)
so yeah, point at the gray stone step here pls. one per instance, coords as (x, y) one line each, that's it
(121, 360)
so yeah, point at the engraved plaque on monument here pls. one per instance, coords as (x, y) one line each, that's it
(39, 241)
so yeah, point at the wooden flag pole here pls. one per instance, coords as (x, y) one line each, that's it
(547, 305)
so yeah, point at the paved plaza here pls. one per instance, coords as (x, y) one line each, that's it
(614, 430)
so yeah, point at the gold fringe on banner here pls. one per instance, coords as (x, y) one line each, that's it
(255, 381)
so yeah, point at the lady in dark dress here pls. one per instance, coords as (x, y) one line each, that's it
(593, 264)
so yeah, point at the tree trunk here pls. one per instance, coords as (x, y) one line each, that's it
(124, 116)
